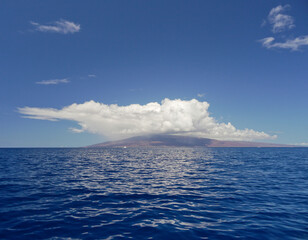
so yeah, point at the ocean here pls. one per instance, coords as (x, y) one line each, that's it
(154, 193)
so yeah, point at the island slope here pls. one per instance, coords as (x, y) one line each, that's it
(160, 140)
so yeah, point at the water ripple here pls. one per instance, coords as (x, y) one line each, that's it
(176, 193)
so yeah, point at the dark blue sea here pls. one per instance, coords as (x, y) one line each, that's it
(154, 193)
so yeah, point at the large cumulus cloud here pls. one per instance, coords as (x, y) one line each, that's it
(169, 116)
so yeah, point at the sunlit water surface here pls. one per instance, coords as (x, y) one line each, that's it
(167, 193)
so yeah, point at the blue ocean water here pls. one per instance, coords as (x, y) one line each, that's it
(154, 193)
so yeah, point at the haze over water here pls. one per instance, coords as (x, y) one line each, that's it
(158, 193)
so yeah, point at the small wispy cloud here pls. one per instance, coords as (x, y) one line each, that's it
(61, 26)
(135, 89)
(53, 81)
(92, 76)
(76, 130)
(293, 44)
(200, 95)
(279, 21)
(263, 23)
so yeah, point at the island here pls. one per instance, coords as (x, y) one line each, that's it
(164, 140)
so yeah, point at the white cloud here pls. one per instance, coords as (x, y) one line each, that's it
(293, 44)
(53, 81)
(303, 144)
(92, 76)
(76, 130)
(61, 26)
(200, 95)
(280, 22)
(171, 116)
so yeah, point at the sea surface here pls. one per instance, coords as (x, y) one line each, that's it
(154, 193)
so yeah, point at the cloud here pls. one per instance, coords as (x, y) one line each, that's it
(76, 130)
(280, 22)
(304, 144)
(263, 23)
(293, 44)
(61, 26)
(200, 95)
(92, 76)
(53, 81)
(170, 116)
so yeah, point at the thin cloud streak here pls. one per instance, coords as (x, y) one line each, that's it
(292, 44)
(170, 116)
(62, 26)
(53, 81)
(303, 144)
(76, 130)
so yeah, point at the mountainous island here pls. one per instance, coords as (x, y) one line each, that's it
(162, 140)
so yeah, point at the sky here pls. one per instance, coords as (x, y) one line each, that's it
(76, 73)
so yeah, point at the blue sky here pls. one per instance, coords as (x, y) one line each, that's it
(246, 59)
